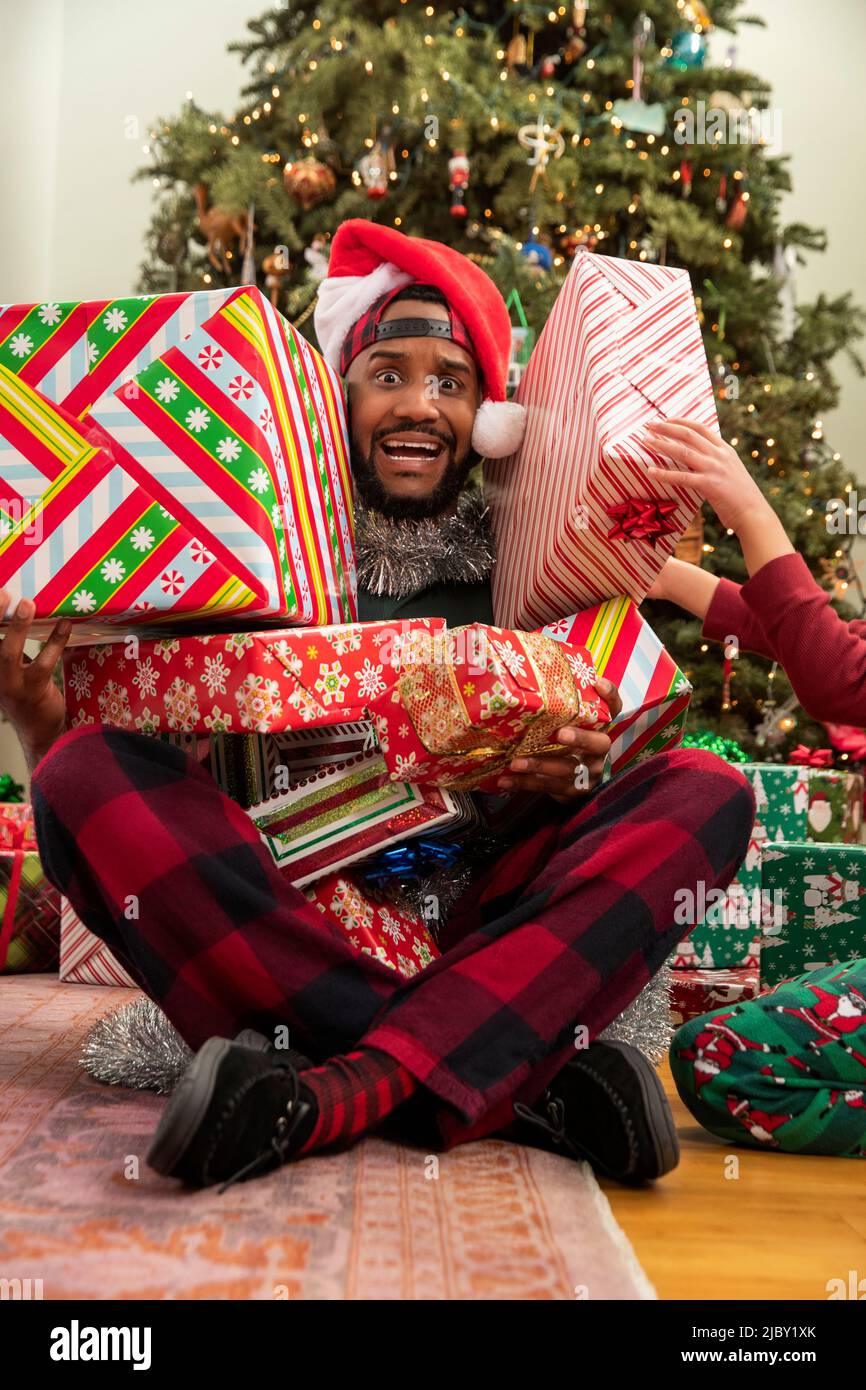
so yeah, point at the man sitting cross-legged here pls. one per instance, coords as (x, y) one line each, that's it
(549, 943)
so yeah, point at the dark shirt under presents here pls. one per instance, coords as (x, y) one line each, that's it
(456, 603)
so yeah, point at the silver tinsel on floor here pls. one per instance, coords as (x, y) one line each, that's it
(137, 1046)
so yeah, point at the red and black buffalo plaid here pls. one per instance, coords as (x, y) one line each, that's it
(563, 931)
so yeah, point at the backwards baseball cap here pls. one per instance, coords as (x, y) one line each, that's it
(369, 264)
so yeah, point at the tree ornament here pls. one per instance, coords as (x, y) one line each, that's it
(784, 268)
(647, 250)
(248, 269)
(578, 13)
(222, 228)
(696, 12)
(277, 266)
(579, 239)
(686, 174)
(688, 50)
(778, 720)
(317, 255)
(740, 123)
(544, 142)
(690, 546)
(376, 168)
(736, 215)
(538, 254)
(575, 47)
(458, 182)
(516, 54)
(722, 195)
(642, 34)
(838, 574)
(171, 245)
(308, 181)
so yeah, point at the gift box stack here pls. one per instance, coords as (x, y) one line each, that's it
(177, 469)
(774, 923)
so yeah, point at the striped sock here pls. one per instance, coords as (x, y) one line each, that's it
(353, 1094)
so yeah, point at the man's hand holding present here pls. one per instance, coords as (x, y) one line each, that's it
(580, 768)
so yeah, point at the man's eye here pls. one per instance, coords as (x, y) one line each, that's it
(454, 382)
(386, 373)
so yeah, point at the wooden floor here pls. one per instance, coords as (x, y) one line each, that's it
(779, 1230)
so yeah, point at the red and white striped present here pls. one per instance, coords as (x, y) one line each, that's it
(576, 517)
(84, 958)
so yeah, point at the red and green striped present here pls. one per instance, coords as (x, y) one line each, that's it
(29, 904)
(29, 914)
(655, 693)
(172, 455)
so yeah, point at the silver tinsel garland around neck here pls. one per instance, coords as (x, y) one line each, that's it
(136, 1046)
(398, 557)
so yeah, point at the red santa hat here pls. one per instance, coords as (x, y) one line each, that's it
(368, 260)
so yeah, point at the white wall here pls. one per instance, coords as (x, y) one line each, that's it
(815, 58)
(88, 69)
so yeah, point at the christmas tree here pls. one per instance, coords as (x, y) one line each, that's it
(524, 134)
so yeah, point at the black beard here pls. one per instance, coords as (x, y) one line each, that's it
(376, 497)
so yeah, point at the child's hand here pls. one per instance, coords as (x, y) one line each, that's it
(710, 466)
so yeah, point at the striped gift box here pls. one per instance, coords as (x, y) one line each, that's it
(655, 693)
(575, 515)
(172, 455)
(344, 813)
(84, 958)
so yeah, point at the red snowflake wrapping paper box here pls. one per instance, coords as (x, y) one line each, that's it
(575, 515)
(450, 707)
(168, 456)
(399, 939)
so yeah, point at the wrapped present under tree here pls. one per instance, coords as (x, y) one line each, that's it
(819, 892)
(793, 802)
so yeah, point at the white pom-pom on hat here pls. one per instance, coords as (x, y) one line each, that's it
(498, 429)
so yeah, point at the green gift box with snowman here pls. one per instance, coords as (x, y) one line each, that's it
(816, 907)
(794, 804)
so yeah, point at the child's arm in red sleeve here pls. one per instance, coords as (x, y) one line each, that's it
(824, 657)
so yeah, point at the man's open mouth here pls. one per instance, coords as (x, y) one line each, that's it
(413, 451)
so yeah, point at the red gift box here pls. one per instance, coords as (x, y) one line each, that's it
(450, 707)
(694, 992)
(399, 939)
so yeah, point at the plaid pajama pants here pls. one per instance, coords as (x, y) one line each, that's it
(562, 932)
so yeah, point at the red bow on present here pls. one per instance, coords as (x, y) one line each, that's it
(642, 519)
(811, 757)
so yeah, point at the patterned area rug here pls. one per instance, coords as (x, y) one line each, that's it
(80, 1210)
